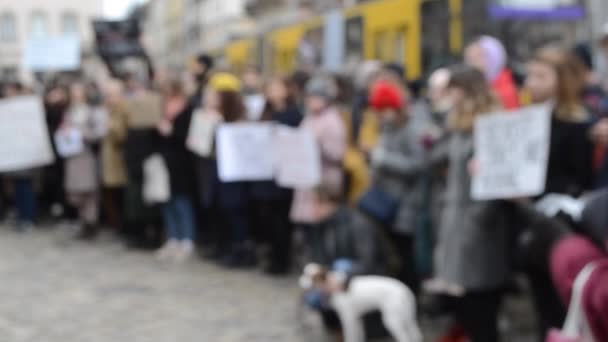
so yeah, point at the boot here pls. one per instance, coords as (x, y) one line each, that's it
(88, 232)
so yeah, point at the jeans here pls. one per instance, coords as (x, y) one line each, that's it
(179, 219)
(25, 200)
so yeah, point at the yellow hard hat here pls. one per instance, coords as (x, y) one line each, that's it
(224, 81)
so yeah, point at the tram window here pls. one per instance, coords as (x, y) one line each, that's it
(400, 45)
(380, 46)
(354, 40)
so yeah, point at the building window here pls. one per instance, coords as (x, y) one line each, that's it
(8, 27)
(69, 24)
(39, 25)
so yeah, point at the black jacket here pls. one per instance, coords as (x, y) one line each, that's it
(269, 190)
(570, 168)
(178, 158)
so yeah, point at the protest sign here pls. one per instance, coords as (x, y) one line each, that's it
(69, 142)
(512, 150)
(201, 134)
(245, 152)
(53, 54)
(298, 159)
(24, 138)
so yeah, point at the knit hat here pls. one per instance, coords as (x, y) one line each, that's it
(224, 81)
(386, 95)
(323, 86)
(496, 56)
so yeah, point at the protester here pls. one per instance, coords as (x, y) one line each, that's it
(488, 54)
(144, 108)
(472, 263)
(311, 207)
(56, 103)
(23, 180)
(114, 170)
(202, 67)
(272, 202)
(81, 175)
(397, 163)
(178, 213)
(553, 79)
(233, 244)
(252, 93)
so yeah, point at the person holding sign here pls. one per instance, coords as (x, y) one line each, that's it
(271, 201)
(472, 256)
(233, 247)
(311, 207)
(178, 213)
(554, 77)
(81, 172)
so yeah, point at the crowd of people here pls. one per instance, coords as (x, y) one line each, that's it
(396, 168)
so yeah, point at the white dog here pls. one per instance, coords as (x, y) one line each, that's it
(366, 294)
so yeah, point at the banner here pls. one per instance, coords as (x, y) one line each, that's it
(298, 158)
(52, 54)
(24, 137)
(245, 152)
(512, 150)
(118, 39)
(537, 9)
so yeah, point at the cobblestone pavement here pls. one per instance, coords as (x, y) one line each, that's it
(53, 289)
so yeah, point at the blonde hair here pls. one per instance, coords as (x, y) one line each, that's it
(570, 82)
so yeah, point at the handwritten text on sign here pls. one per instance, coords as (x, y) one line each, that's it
(512, 150)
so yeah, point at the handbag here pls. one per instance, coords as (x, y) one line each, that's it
(157, 187)
(576, 328)
(380, 205)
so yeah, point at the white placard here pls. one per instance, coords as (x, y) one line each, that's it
(298, 157)
(245, 152)
(52, 54)
(512, 150)
(24, 138)
(69, 142)
(201, 134)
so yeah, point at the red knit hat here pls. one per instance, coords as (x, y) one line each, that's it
(386, 95)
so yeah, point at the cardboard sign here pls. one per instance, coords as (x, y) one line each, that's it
(245, 152)
(512, 150)
(53, 54)
(299, 160)
(201, 134)
(69, 142)
(24, 137)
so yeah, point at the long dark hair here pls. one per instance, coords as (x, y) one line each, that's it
(231, 106)
(269, 107)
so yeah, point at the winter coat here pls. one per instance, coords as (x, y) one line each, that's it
(114, 169)
(310, 206)
(473, 242)
(505, 88)
(398, 163)
(269, 190)
(81, 171)
(348, 234)
(570, 169)
(178, 158)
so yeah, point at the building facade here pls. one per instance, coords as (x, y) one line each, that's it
(25, 19)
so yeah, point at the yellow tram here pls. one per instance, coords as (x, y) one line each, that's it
(385, 30)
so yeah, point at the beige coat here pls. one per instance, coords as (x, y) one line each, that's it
(315, 205)
(81, 171)
(114, 171)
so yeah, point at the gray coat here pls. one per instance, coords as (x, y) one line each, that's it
(472, 250)
(398, 162)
